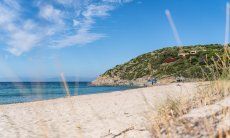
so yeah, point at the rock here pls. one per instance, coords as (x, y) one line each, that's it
(116, 81)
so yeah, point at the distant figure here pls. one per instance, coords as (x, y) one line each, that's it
(153, 81)
(131, 84)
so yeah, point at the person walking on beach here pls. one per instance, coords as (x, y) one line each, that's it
(154, 81)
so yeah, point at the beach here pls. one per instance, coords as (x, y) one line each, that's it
(117, 114)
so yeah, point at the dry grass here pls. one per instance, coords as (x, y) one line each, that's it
(168, 122)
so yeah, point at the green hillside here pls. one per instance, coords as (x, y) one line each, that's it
(167, 62)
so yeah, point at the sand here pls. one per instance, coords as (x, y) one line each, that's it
(117, 114)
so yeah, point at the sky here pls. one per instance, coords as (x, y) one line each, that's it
(40, 39)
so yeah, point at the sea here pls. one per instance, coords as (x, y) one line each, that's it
(19, 92)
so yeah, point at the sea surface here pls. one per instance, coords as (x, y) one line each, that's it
(18, 92)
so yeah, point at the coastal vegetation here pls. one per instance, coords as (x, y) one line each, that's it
(191, 62)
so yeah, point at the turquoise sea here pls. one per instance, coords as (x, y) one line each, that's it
(17, 92)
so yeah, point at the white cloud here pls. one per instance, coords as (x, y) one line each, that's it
(118, 1)
(83, 34)
(49, 13)
(13, 4)
(79, 38)
(97, 11)
(22, 41)
(29, 25)
(6, 15)
(58, 23)
(18, 37)
(76, 22)
(65, 1)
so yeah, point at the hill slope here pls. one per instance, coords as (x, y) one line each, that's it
(164, 64)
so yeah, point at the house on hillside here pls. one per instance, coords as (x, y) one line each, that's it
(193, 52)
(183, 55)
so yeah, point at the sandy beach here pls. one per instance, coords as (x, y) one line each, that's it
(117, 114)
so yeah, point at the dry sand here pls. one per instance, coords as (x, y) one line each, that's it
(117, 114)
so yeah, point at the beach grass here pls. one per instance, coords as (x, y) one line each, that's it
(169, 122)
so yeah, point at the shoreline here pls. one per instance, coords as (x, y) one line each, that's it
(75, 96)
(87, 94)
(95, 115)
(106, 92)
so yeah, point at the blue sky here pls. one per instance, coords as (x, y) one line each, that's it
(83, 38)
